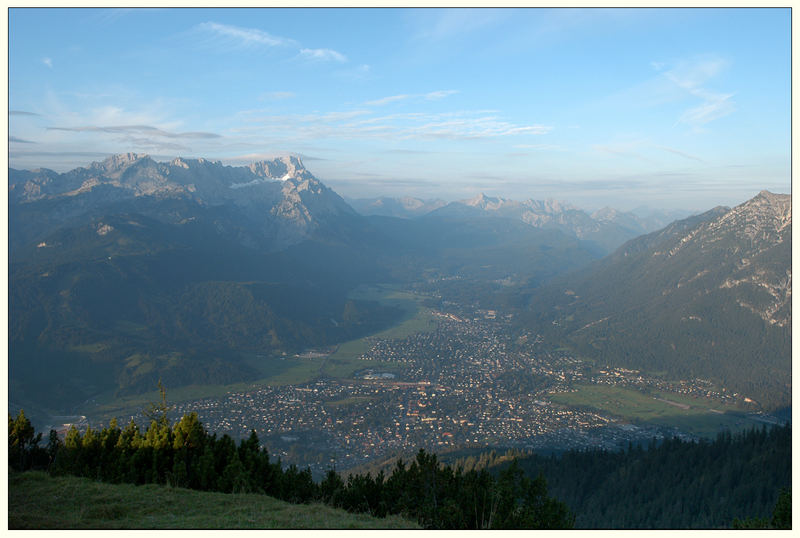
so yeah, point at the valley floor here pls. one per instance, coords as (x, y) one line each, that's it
(447, 379)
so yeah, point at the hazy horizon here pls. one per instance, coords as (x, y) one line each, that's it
(669, 108)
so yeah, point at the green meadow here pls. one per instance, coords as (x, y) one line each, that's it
(699, 416)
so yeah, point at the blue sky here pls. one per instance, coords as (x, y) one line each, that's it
(673, 108)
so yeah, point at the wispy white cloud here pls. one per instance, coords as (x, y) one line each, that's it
(687, 83)
(387, 100)
(628, 150)
(463, 125)
(139, 129)
(140, 136)
(680, 153)
(441, 94)
(112, 15)
(237, 37)
(430, 96)
(326, 55)
(643, 150)
(153, 144)
(472, 128)
(695, 72)
(691, 76)
(105, 127)
(229, 37)
(48, 62)
(451, 23)
(714, 106)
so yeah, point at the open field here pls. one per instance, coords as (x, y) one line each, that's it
(279, 371)
(38, 501)
(694, 415)
(417, 318)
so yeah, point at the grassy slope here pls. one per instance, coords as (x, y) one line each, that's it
(38, 501)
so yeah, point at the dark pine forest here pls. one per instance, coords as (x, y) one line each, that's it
(739, 480)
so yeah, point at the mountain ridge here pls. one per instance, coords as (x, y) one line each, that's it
(286, 201)
(708, 295)
(607, 233)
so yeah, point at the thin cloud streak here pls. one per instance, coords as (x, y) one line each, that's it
(238, 37)
(412, 125)
(387, 100)
(441, 94)
(430, 96)
(681, 153)
(621, 151)
(691, 77)
(327, 55)
(143, 129)
(714, 107)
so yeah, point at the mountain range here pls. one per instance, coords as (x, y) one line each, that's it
(607, 228)
(284, 202)
(130, 270)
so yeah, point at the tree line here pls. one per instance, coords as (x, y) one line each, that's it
(736, 479)
(184, 454)
(741, 480)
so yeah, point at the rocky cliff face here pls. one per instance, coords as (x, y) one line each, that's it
(749, 242)
(281, 193)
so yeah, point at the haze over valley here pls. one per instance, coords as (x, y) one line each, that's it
(252, 249)
(265, 302)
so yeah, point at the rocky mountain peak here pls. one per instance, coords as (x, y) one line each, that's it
(765, 215)
(779, 205)
(282, 168)
(179, 162)
(119, 161)
(482, 201)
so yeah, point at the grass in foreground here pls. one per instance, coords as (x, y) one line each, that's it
(39, 501)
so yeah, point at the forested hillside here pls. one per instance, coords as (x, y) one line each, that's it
(673, 485)
(706, 297)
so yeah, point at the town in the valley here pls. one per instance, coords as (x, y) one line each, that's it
(465, 383)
